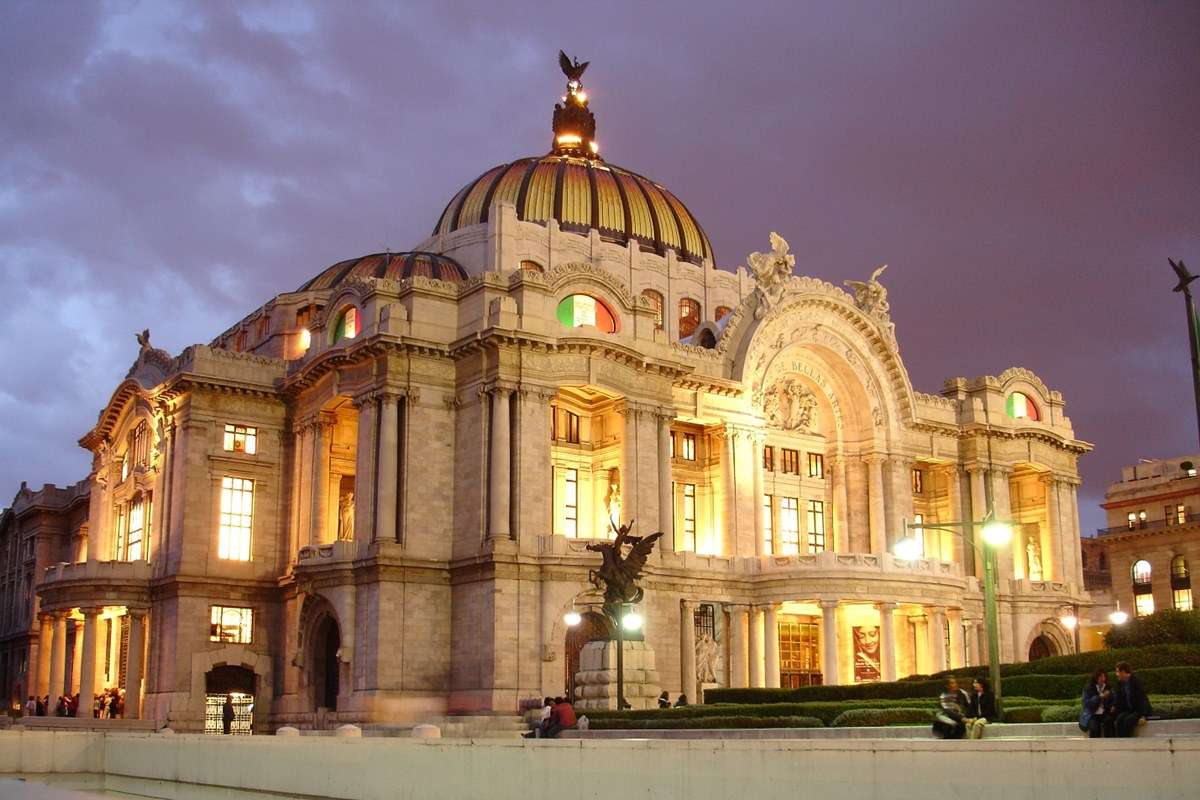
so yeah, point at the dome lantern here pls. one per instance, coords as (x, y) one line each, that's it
(574, 124)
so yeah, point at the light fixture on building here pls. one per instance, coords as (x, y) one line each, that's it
(632, 621)
(997, 534)
(907, 549)
(572, 618)
(1069, 620)
(1118, 617)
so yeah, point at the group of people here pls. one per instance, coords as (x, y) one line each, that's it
(109, 704)
(1107, 711)
(557, 716)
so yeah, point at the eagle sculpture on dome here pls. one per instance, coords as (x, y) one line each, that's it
(572, 69)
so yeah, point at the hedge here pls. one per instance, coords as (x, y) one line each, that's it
(694, 723)
(1162, 627)
(878, 717)
(1161, 655)
(1061, 713)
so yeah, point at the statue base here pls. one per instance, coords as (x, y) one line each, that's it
(596, 681)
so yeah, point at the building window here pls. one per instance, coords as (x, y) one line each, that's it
(791, 461)
(347, 325)
(241, 439)
(531, 266)
(137, 525)
(1143, 604)
(1141, 572)
(124, 467)
(1182, 598)
(1180, 514)
(768, 526)
(566, 426)
(577, 310)
(768, 458)
(704, 621)
(571, 503)
(656, 300)
(689, 447)
(722, 313)
(799, 651)
(230, 624)
(816, 526)
(689, 516)
(1020, 406)
(689, 317)
(1136, 519)
(1179, 568)
(237, 509)
(789, 525)
(1181, 584)
(918, 481)
(816, 465)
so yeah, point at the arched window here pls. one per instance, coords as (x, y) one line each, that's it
(689, 316)
(531, 266)
(583, 309)
(1020, 406)
(656, 300)
(347, 325)
(707, 340)
(1141, 572)
(722, 312)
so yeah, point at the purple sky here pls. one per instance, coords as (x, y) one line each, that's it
(1025, 168)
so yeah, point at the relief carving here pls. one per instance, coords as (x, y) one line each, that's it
(788, 406)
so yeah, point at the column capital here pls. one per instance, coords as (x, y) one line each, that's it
(937, 610)
(632, 409)
(874, 459)
(901, 460)
(136, 612)
(975, 468)
(947, 468)
(829, 604)
(886, 606)
(734, 608)
(664, 415)
(688, 605)
(1001, 469)
(531, 392)
(498, 387)
(91, 611)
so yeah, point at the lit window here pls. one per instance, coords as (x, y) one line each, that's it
(571, 503)
(1143, 604)
(137, 525)
(1141, 571)
(689, 516)
(230, 624)
(689, 317)
(237, 508)
(791, 462)
(1019, 406)
(722, 312)
(1182, 598)
(656, 300)
(531, 266)
(1179, 568)
(789, 525)
(816, 465)
(1180, 514)
(768, 527)
(816, 526)
(124, 466)
(582, 309)
(347, 325)
(305, 339)
(689, 447)
(241, 439)
(918, 482)
(769, 458)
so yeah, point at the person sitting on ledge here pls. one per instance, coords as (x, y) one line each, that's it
(562, 717)
(1133, 706)
(664, 700)
(948, 722)
(681, 701)
(981, 708)
(1097, 717)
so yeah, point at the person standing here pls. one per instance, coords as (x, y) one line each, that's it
(1097, 718)
(981, 708)
(31, 707)
(1133, 706)
(227, 714)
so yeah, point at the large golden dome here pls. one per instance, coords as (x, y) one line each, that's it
(576, 187)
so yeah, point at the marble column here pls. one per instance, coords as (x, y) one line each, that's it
(841, 507)
(1051, 541)
(830, 676)
(755, 642)
(901, 502)
(58, 657)
(937, 639)
(728, 543)
(875, 503)
(1001, 503)
(757, 440)
(957, 543)
(958, 656)
(666, 501)
(366, 487)
(971, 642)
(45, 648)
(133, 668)
(294, 530)
(76, 654)
(687, 651)
(388, 484)
(739, 632)
(771, 645)
(87, 681)
(500, 461)
(979, 507)
(1072, 499)
(319, 524)
(887, 641)
(629, 464)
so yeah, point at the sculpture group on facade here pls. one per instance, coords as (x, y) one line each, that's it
(788, 405)
(771, 272)
(706, 659)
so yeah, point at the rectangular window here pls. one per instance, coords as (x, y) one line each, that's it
(571, 504)
(918, 481)
(237, 510)
(789, 525)
(816, 526)
(121, 528)
(241, 439)
(137, 524)
(689, 516)
(1131, 519)
(791, 461)
(768, 527)
(689, 447)
(1182, 598)
(230, 624)
(572, 428)
(1181, 514)
(768, 458)
(1143, 604)
(816, 465)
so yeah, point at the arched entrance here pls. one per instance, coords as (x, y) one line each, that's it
(1042, 647)
(234, 681)
(326, 675)
(592, 628)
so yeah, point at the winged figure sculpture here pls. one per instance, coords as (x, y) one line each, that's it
(572, 69)
(619, 573)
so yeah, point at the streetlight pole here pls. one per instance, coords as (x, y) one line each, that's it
(992, 618)
(1185, 279)
(620, 624)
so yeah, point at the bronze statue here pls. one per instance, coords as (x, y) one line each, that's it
(618, 574)
(573, 71)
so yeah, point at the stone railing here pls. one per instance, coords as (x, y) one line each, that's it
(311, 555)
(98, 571)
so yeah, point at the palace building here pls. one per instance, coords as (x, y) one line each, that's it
(369, 500)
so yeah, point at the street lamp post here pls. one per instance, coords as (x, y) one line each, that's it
(625, 618)
(995, 534)
(1070, 619)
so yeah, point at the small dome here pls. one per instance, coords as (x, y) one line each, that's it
(393, 266)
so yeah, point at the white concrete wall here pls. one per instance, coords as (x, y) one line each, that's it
(397, 769)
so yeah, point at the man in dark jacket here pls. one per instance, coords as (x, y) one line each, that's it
(1133, 706)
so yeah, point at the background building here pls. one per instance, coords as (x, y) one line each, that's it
(370, 499)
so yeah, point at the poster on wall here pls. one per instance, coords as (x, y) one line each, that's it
(866, 654)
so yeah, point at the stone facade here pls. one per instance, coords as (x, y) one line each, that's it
(432, 453)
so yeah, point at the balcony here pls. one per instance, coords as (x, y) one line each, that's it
(1149, 525)
(322, 554)
(95, 583)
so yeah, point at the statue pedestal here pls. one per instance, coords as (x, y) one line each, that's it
(596, 681)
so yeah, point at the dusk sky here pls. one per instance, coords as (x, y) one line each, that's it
(1025, 168)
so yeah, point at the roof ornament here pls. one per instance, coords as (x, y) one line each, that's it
(871, 298)
(574, 124)
(771, 272)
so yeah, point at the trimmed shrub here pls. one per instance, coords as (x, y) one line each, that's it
(696, 723)
(1023, 714)
(878, 717)
(1162, 627)
(1161, 655)
(1061, 713)
(1177, 709)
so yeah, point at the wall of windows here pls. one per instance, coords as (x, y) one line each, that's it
(236, 518)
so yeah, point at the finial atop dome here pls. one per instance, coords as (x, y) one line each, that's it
(574, 124)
